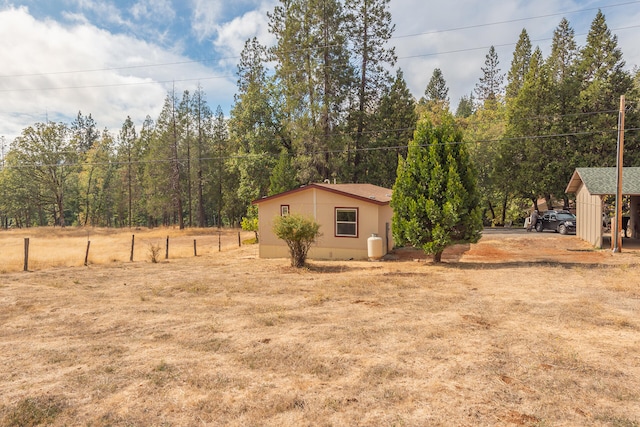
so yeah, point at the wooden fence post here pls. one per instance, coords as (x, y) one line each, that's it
(219, 242)
(195, 251)
(239, 242)
(86, 255)
(26, 254)
(166, 253)
(133, 238)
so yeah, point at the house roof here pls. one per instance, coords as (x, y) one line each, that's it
(602, 181)
(367, 192)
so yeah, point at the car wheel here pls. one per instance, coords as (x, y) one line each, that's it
(539, 227)
(562, 229)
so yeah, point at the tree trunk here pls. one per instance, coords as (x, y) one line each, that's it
(437, 257)
(493, 212)
(504, 208)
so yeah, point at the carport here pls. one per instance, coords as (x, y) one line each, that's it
(591, 185)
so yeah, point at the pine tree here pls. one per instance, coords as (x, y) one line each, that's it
(255, 135)
(84, 131)
(203, 127)
(312, 78)
(489, 88)
(393, 128)
(436, 91)
(370, 29)
(127, 139)
(283, 176)
(519, 65)
(163, 170)
(526, 161)
(604, 80)
(434, 200)
(465, 106)
(221, 152)
(563, 103)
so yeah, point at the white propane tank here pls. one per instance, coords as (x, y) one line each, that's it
(374, 247)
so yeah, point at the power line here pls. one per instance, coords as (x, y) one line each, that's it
(510, 21)
(154, 82)
(316, 153)
(206, 60)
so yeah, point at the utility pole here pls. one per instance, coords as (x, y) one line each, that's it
(616, 238)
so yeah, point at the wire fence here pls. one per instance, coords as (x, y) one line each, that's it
(42, 249)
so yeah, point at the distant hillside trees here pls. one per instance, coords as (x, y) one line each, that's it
(326, 102)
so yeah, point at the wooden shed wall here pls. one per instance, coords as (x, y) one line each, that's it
(589, 217)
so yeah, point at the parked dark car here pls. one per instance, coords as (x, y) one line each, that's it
(560, 221)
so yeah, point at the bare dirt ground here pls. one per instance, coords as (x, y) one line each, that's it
(521, 329)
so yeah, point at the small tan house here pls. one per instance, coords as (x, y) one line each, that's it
(348, 215)
(591, 185)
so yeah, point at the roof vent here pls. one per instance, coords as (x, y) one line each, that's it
(372, 197)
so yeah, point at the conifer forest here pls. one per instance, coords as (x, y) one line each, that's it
(327, 101)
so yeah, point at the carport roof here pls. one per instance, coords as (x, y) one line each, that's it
(602, 181)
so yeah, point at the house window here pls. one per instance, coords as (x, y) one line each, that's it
(346, 222)
(284, 210)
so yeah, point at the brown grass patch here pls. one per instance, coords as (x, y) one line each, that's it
(499, 335)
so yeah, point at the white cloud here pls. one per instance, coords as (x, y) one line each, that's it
(55, 71)
(154, 10)
(206, 14)
(233, 35)
(106, 10)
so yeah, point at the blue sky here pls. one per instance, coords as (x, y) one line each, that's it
(116, 58)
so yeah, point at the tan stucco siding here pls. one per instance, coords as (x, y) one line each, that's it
(320, 205)
(316, 252)
(589, 217)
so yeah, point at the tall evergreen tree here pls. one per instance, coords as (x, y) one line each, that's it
(283, 176)
(163, 171)
(221, 152)
(312, 71)
(489, 88)
(370, 29)
(519, 65)
(564, 102)
(127, 140)
(604, 80)
(465, 106)
(435, 203)
(436, 90)
(203, 128)
(528, 161)
(85, 132)
(253, 131)
(393, 128)
(185, 136)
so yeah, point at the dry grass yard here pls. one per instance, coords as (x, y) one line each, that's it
(521, 329)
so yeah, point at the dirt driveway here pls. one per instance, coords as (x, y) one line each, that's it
(516, 245)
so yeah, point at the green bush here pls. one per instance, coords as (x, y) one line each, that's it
(299, 233)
